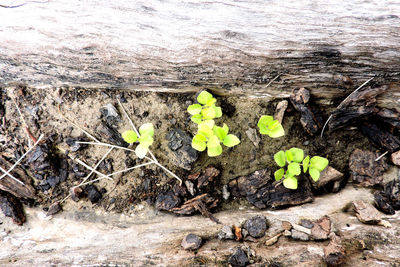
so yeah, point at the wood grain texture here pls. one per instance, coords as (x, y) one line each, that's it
(231, 47)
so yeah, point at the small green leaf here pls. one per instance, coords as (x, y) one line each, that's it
(146, 140)
(280, 158)
(204, 97)
(289, 155)
(211, 102)
(279, 174)
(231, 140)
(214, 151)
(319, 163)
(129, 136)
(199, 142)
(290, 183)
(197, 118)
(298, 154)
(213, 141)
(141, 151)
(226, 128)
(263, 122)
(314, 173)
(194, 109)
(146, 129)
(220, 132)
(306, 163)
(294, 168)
(218, 111)
(208, 113)
(206, 128)
(277, 132)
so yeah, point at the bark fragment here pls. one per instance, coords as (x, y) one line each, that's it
(299, 99)
(12, 207)
(381, 138)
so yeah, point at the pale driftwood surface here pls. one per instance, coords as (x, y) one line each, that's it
(146, 238)
(227, 46)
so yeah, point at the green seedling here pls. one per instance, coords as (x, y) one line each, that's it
(145, 139)
(294, 161)
(267, 125)
(209, 136)
(205, 109)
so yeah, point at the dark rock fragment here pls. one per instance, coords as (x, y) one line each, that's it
(299, 99)
(93, 194)
(191, 242)
(167, 201)
(110, 114)
(260, 190)
(180, 143)
(54, 208)
(205, 178)
(358, 105)
(256, 226)
(388, 200)
(12, 207)
(334, 253)
(239, 258)
(110, 134)
(73, 145)
(380, 137)
(365, 170)
(76, 193)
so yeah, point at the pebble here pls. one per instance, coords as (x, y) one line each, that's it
(253, 136)
(191, 242)
(298, 235)
(239, 258)
(396, 158)
(226, 233)
(225, 192)
(256, 226)
(93, 194)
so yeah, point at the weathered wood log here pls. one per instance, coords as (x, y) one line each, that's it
(226, 46)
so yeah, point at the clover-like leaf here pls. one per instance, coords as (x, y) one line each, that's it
(208, 113)
(213, 141)
(218, 111)
(290, 182)
(141, 151)
(129, 136)
(204, 97)
(294, 168)
(199, 142)
(263, 123)
(146, 129)
(220, 132)
(206, 128)
(319, 163)
(306, 163)
(145, 140)
(194, 109)
(314, 173)
(276, 132)
(197, 118)
(289, 155)
(280, 158)
(211, 102)
(214, 151)
(231, 140)
(297, 153)
(279, 174)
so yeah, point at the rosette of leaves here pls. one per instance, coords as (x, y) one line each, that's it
(267, 125)
(145, 139)
(211, 137)
(205, 109)
(292, 162)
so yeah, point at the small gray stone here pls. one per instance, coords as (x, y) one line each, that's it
(253, 136)
(191, 242)
(190, 187)
(181, 152)
(226, 233)
(298, 235)
(256, 226)
(238, 259)
(225, 192)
